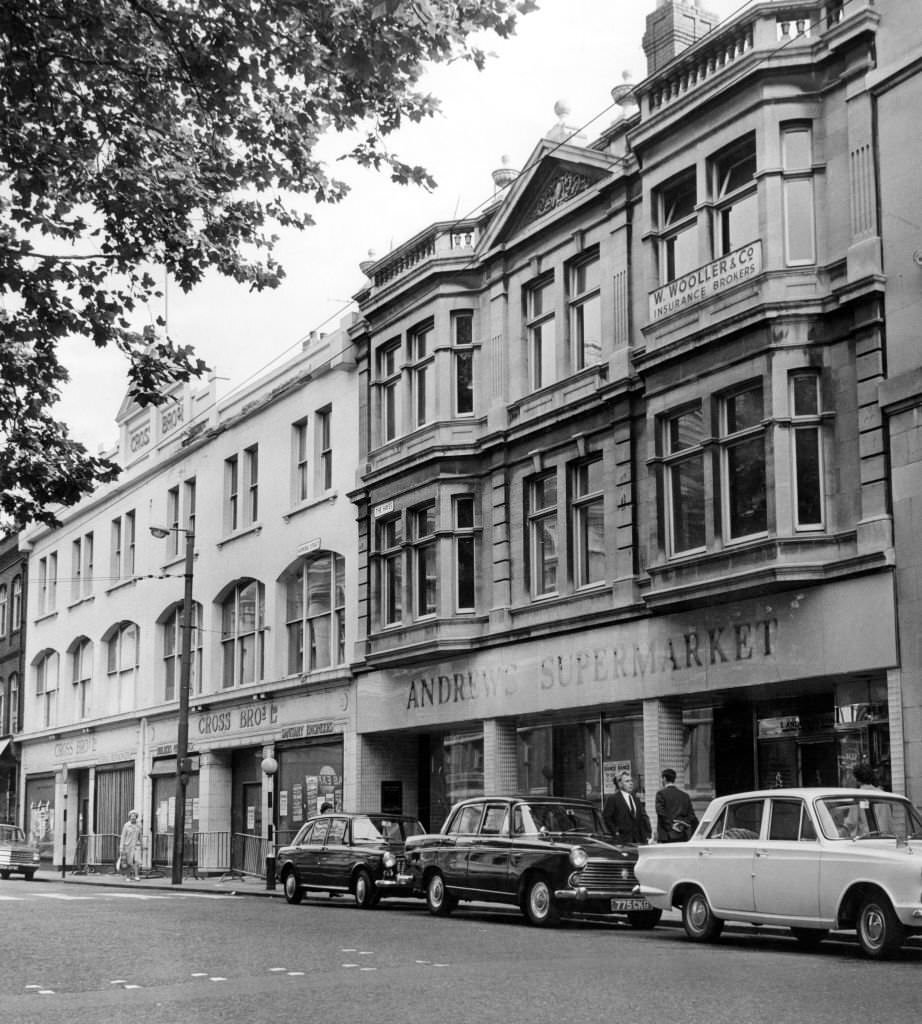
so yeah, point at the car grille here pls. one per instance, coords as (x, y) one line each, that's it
(15, 858)
(606, 875)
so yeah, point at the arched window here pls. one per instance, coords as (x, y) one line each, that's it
(15, 704)
(46, 688)
(172, 652)
(16, 603)
(243, 634)
(81, 665)
(315, 613)
(4, 609)
(122, 666)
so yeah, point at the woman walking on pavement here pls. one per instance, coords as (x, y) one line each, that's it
(129, 850)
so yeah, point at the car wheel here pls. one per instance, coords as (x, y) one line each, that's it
(365, 894)
(293, 891)
(809, 938)
(538, 904)
(438, 900)
(698, 918)
(880, 933)
(643, 920)
(5, 875)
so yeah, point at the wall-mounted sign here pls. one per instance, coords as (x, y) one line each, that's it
(385, 508)
(308, 546)
(718, 276)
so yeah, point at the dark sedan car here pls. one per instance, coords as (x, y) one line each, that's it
(549, 856)
(353, 853)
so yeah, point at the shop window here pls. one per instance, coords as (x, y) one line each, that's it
(588, 518)
(678, 227)
(388, 384)
(315, 613)
(46, 688)
(81, 659)
(807, 450)
(542, 534)
(541, 333)
(736, 208)
(172, 652)
(743, 463)
(462, 333)
(799, 218)
(683, 444)
(421, 372)
(425, 561)
(465, 566)
(243, 634)
(389, 547)
(585, 311)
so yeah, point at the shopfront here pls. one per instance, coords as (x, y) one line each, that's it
(787, 691)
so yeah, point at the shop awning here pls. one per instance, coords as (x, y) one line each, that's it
(8, 750)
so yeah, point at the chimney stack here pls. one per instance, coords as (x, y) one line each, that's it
(671, 28)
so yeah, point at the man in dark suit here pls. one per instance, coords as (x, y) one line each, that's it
(675, 816)
(624, 815)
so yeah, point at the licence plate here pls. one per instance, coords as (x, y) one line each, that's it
(632, 904)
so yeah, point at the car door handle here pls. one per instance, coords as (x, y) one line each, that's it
(704, 853)
(761, 853)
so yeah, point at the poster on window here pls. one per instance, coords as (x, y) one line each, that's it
(40, 815)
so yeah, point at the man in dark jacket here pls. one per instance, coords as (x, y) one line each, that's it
(675, 816)
(625, 815)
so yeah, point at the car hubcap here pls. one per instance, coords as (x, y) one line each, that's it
(435, 891)
(697, 914)
(360, 890)
(540, 900)
(873, 926)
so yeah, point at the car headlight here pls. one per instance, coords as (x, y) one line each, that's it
(579, 858)
(388, 860)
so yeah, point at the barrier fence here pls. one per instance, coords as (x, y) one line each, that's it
(204, 853)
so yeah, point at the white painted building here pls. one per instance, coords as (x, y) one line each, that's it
(261, 481)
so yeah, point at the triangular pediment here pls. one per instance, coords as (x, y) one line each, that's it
(556, 177)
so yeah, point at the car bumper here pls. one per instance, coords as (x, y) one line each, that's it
(397, 882)
(605, 898)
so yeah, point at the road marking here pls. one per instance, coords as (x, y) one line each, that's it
(277, 969)
(350, 965)
(60, 896)
(295, 974)
(12, 899)
(217, 978)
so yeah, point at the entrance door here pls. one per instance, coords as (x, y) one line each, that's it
(252, 809)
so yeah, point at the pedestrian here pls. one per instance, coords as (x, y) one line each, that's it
(129, 847)
(675, 817)
(326, 807)
(625, 815)
(865, 776)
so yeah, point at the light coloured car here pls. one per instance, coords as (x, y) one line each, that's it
(17, 854)
(811, 860)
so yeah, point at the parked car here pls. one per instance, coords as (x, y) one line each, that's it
(809, 859)
(355, 853)
(16, 853)
(549, 856)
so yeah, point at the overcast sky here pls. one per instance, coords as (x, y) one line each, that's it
(571, 50)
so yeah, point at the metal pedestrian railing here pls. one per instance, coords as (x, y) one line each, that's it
(248, 854)
(96, 852)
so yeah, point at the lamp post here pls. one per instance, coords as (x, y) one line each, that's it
(270, 766)
(182, 729)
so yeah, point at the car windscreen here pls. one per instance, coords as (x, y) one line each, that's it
(374, 828)
(556, 817)
(11, 834)
(872, 816)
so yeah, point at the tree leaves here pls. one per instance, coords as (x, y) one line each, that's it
(175, 132)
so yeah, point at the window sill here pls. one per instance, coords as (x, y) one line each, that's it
(255, 528)
(46, 616)
(328, 497)
(88, 599)
(121, 585)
